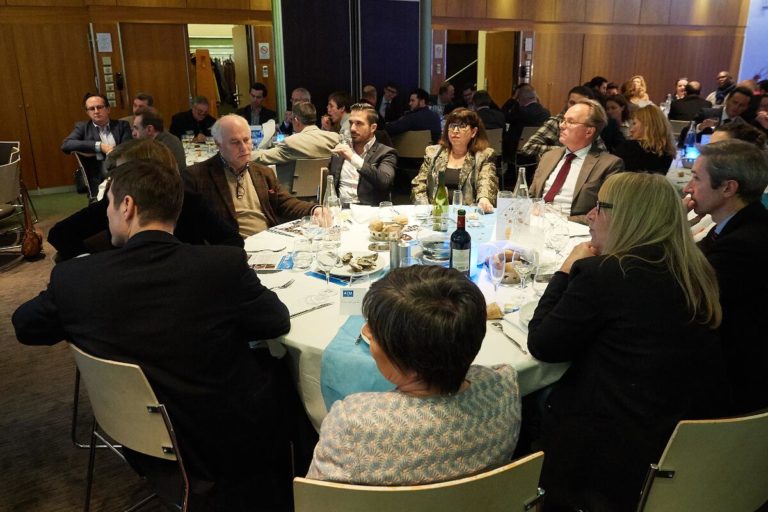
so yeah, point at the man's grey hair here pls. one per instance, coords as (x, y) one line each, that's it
(305, 113)
(304, 93)
(740, 161)
(526, 93)
(597, 117)
(200, 100)
(216, 128)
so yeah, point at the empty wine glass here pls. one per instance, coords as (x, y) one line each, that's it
(556, 236)
(523, 263)
(326, 259)
(497, 262)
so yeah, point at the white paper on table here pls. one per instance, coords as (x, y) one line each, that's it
(362, 213)
(266, 260)
(267, 131)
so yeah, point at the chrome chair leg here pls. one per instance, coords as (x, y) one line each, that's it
(73, 428)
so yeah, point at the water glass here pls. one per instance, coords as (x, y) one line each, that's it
(386, 211)
(497, 263)
(302, 253)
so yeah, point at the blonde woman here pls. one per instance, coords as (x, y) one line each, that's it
(642, 88)
(465, 158)
(635, 311)
(651, 147)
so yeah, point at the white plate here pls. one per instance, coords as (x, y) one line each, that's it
(526, 313)
(346, 271)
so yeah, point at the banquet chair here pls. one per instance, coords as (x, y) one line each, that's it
(495, 138)
(305, 175)
(321, 187)
(11, 203)
(412, 144)
(513, 487)
(711, 465)
(8, 148)
(83, 176)
(126, 410)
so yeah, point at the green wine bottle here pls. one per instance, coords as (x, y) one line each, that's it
(440, 201)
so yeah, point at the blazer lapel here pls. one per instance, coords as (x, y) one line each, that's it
(217, 171)
(540, 178)
(586, 169)
(262, 191)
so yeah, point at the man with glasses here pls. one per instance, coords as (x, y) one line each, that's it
(96, 138)
(298, 95)
(243, 193)
(195, 121)
(389, 107)
(571, 176)
(727, 182)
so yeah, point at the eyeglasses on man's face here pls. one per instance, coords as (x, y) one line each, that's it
(95, 108)
(600, 205)
(570, 123)
(458, 126)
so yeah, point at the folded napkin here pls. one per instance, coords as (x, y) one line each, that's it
(347, 366)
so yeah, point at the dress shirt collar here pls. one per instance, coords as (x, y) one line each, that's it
(580, 153)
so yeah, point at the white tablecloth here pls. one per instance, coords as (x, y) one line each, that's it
(312, 332)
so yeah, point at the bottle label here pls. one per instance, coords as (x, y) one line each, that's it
(460, 259)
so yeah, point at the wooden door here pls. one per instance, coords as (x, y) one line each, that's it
(500, 65)
(156, 59)
(53, 57)
(14, 125)
(556, 67)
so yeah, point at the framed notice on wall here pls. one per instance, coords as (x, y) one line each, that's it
(263, 51)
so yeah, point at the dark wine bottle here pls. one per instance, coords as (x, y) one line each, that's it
(461, 246)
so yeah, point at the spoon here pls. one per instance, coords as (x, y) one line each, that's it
(283, 286)
(510, 338)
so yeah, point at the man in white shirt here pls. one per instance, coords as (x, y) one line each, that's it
(364, 172)
(571, 176)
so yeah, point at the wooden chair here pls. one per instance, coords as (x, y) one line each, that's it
(305, 176)
(412, 144)
(125, 409)
(513, 487)
(711, 465)
(321, 188)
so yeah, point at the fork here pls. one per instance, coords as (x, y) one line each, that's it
(282, 286)
(510, 338)
(267, 250)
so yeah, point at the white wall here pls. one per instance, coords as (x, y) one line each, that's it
(754, 57)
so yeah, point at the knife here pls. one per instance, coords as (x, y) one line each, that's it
(313, 308)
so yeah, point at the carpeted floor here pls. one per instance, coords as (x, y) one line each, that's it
(40, 469)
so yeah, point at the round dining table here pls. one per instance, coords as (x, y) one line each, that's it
(311, 332)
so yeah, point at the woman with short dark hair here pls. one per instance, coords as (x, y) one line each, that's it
(466, 160)
(445, 419)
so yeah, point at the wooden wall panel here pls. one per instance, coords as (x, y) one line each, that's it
(509, 9)
(705, 12)
(558, 10)
(438, 64)
(155, 62)
(611, 56)
(263, 34)
(54, 103)
(460, 8)
(499, 64)
(655, 12)
(46, 3)
(627, 11)
(122, 106)
(557, 67)
(599, 11)
(152, 3)
(218, 4)
(14, 125)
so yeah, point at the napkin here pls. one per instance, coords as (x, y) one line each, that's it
(347, 366)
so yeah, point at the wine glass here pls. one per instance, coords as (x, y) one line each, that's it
(311, 227)
(556, 236)
(326, 259)
(497, 262)
(524, 263)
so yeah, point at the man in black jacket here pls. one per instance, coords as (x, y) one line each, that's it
(96, 138)
(689, 107)
(728, 180)
(256, 114)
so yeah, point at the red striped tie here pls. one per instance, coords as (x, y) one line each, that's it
(560, 179)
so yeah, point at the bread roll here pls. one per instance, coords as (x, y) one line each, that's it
(376, 225)
(493, 312)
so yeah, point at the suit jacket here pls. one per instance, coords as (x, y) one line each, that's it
(742, 242)
(688, 108)
(185, 315)
(518, 118)
(184, 122)
(393, 113)
(264, 116)
(376, 175)
(477, 177)
(416, 120)
(207, 178)
(173, 143)
(492, 119)
(197, 225)
(311, 142)
(83, 140)
(598, 165)
(639, 364)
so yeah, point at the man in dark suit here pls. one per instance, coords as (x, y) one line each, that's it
(419, 118)
(364, 172)
(727, 182)
(186, 315)
(389, 107)
(493, 119)
(194, 121)
(256, 114)
(243, 193)
(688, 107)
(735, 104)
(96, 138)
(572, 175)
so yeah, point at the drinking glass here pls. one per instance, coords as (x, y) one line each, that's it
(302, 253)
(326, 259)
(497, 263)
(386, 211)
(524, 263)
(556, 236)
(311, 227)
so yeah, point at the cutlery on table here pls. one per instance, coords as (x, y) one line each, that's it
(510, 338)
(266, 250)
(313, 308)
(282, 286)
